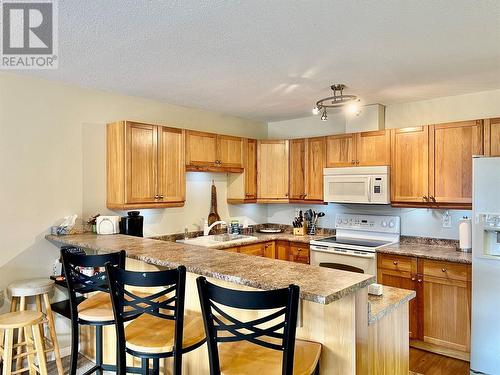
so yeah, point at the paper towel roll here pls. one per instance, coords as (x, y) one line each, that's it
(465, 233)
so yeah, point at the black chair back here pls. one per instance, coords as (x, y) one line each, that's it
(222, 327)
(78, 282)
(342, 267)
(167, 303)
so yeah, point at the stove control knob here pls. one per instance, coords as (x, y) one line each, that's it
(345, 221)
(391, 224)
(339, 221)
(384, 224)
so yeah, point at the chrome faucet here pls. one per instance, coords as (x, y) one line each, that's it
(207, 228)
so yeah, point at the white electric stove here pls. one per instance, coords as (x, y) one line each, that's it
(356, 241)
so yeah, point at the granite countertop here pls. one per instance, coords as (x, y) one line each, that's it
(391, 299)
(317, 284)
(428, 248)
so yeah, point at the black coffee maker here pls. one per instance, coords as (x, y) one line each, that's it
(132, 224)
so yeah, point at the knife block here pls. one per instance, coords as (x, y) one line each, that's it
(300, 231)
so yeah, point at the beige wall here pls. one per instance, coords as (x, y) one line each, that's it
(52, 164)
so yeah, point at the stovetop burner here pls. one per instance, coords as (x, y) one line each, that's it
(354, 242)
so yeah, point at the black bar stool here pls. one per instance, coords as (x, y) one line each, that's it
(97, 309)
(163, 329)
(244, 347)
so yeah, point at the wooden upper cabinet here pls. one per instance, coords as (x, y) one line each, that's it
(451, 147)
(242, 187)
(144, 166)
(213, 153)
(373, 148)
(171, 176)
(315, 162)
(272, 170)
(410, 165)
(251, 169)
(340, 150)
(230, 151)
(201, 149)
(297, 169)
(492, 137)
(141, 160)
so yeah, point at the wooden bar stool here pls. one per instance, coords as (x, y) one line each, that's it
(96, 310)
(39, 289)
(160, 327)
(246, 347)
(29, 322)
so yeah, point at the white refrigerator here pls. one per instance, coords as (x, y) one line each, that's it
(485, 343)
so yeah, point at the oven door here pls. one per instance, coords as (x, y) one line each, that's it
(347, 189)
(365, 260)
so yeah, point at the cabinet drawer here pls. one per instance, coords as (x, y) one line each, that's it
(397, 263)
(299, 253)
(446, 270)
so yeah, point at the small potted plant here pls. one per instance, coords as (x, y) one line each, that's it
(92, 221)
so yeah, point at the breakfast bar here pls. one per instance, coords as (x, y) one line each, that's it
(335, 309)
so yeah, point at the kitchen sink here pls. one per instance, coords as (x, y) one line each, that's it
(215, 239)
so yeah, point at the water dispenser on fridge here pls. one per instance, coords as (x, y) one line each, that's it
(487, 236)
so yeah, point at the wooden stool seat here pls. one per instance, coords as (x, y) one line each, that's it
(30, 287)
(244, 357)
(96, 308)
(150, 334)
(27, 322)
(20, 319)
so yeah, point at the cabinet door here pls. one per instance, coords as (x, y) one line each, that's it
(401, 272)
(410, 164)
(492, 137)
(373, 148)
(254, 249)
(141, 162)
(340, 150)
(230, 151)
(299, 253)
(270, 250)
(315, 162)
(297, 168)
(272, 170)
(201, 149)
(450, 172)
(447, 313)
(282, 250)
(171, 176)
(251, 169)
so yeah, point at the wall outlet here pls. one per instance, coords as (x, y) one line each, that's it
(446, 223)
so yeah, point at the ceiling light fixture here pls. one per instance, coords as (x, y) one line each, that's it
(339, 99)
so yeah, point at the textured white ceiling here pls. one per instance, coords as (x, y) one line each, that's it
(272, 59)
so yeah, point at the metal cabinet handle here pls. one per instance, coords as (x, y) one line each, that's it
(286, 194)
(425, 198)
(357, 162)
(353, 161)
(161, 196)
(395, 263)
(157, 196)
(432, 198)
(443, 270)
(419, 280)
(413, 279)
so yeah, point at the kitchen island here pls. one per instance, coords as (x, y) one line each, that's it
(334, 306)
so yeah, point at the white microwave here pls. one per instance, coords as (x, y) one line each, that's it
(369, 185)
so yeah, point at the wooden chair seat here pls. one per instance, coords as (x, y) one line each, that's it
(150, 334)
(96, 308)
(19, 319)
(244, 357)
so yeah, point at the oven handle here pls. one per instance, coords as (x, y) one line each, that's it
(332, 250)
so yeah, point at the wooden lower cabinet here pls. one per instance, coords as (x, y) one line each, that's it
(284, 250)
(440, 315)
(401, 272)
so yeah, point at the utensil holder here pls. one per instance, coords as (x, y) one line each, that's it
(311, 230)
